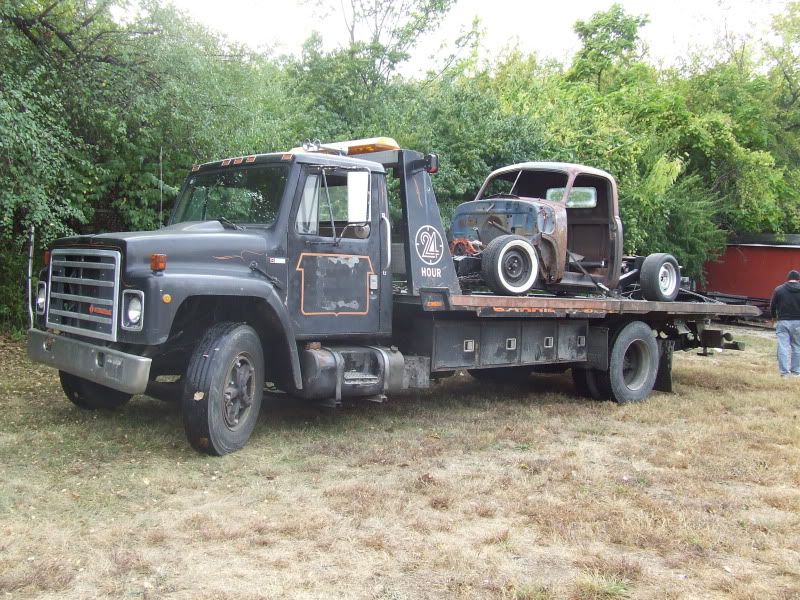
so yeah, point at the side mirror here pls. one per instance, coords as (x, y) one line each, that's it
(429, 163)
(358, 196)
(432, 163)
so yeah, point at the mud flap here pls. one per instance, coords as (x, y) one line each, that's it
(664, 377)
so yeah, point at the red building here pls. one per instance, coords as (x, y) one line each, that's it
(753, 267)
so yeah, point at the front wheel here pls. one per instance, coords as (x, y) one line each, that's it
(510, 265)
(90, 395)
(223, 389)
(660, 277)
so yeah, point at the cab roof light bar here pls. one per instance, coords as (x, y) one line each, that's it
(350, 147)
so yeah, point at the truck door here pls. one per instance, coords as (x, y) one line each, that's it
(337, 278)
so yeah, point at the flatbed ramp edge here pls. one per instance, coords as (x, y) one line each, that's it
(486, 305)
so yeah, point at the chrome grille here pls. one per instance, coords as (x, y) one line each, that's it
(82, 296)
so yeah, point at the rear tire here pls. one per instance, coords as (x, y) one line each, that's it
(510, 265)
(633, 363)
(591, 383)
(89, 395)
(223, 389)
(660, 278)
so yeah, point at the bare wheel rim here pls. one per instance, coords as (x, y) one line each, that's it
(634, 365)
(239, 391)
(667, 278)
(516, 266)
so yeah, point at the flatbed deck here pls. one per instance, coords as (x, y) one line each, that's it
(489, 305)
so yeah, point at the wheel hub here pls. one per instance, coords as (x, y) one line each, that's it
(634, 371)
(239, 390)
(667, 278)
(514, 266)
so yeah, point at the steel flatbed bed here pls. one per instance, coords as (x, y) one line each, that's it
(616, 347)
(489, 305)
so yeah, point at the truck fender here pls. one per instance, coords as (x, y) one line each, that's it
(254, 287)
(274, 302)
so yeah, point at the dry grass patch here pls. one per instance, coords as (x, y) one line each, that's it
(785, 500)
(498, 537)
(34, 575)
(125, 561)
(461, 491)
(532, 592)
(597, 586)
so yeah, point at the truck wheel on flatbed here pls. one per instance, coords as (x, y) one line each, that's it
(223, 389)
(90, 395)
(633, 363)
(510, 265)
(660, 277)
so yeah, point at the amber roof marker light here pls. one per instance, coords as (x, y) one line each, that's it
(349, 147)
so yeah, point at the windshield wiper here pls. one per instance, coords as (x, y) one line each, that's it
(229, 224)
(501, 195)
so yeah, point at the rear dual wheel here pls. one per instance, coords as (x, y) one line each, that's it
(633, 363)
(592, 383)
(632, 367)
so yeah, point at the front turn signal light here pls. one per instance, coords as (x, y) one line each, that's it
(158, 262)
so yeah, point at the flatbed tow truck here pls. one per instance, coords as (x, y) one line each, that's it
(280, 269)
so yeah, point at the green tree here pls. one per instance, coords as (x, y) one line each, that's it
(609, 42)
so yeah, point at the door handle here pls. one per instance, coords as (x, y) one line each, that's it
(385, 219)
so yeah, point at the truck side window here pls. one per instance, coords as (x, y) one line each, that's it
(315, 212)
(308, 212)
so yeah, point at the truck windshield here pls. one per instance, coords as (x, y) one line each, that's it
(247, 195)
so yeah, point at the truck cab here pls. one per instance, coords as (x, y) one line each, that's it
(285, 252)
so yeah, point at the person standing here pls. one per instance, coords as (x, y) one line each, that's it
(785, 308)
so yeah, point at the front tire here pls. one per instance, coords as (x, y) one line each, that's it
(660, 277)
(223, 389)
(633, 363)
(510, 265)
(89, 395)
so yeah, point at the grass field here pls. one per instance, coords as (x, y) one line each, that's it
(463, 491)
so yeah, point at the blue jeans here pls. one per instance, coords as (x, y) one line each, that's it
(788, 333)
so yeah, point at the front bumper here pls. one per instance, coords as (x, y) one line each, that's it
(118, 370)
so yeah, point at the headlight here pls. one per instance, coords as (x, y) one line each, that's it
(41, 297)
(133, 308)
